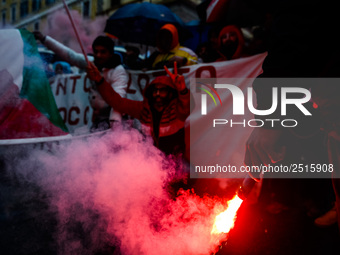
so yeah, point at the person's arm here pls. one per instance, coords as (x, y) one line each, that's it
(118, 79)
(185, 57)
(183, 106)
(265, 146)
(122, 105)
(65, 53)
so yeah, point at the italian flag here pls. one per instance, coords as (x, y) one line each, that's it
(27, 105)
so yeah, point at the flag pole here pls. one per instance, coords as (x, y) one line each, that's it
(75, 31)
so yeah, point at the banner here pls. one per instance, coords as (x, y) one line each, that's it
(71, 91)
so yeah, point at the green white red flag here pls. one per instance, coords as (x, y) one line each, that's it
(27, 105)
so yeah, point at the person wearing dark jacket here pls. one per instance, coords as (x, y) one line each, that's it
(296, 51)
(163, 111)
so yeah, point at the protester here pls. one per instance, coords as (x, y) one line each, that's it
(163, 111)
(131, 58)
(169, 50)
(213, 34)
(296, 52)
(110, 66)
(206, 53)
(61, 67)
(230, 43)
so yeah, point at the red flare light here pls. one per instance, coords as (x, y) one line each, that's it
(224, 221)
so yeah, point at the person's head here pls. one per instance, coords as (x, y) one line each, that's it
(61, 67)
(230, 42)
(103, 51)
(131, 58)
(229, 38)
(167, 38)
(58, 69)
(160, 92)
(132, 52)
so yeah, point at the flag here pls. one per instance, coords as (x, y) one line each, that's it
(216, 10)
(27, 105)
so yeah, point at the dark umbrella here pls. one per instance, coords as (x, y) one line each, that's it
(199, 31)
(140, 22)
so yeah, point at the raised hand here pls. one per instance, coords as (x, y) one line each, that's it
(177, 79)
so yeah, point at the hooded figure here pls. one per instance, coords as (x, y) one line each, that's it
(230, 43)
(163, 111)
(169, 50)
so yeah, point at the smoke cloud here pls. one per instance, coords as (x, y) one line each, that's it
(59, 27)
(110, 193)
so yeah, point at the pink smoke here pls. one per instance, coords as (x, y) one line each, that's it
(114, 187)
(59, 27)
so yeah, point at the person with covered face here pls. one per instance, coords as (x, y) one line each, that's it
(109, 65)
(163, 111)
(169, 50)
(230, 43)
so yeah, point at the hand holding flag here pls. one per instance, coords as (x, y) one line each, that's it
(94, 74)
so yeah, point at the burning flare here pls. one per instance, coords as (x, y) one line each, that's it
(224, 222)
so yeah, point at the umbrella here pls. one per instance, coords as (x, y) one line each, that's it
(199, 31)
(140, 22)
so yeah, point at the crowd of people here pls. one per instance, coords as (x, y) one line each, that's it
(165, 105)
(228, 45)
(220, 44)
